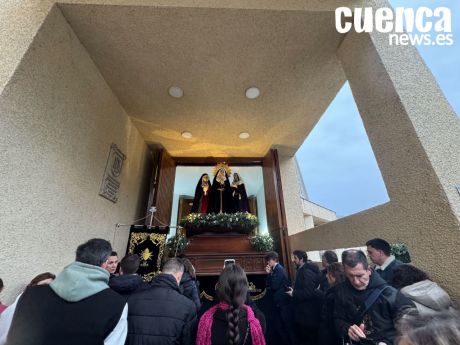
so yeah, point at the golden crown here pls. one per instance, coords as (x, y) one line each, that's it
(220, 166)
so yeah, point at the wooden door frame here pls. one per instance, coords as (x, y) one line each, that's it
(251, 161)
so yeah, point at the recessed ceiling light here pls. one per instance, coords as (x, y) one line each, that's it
(186, 135)
(252, 92)
(244, 135)
(176, 92)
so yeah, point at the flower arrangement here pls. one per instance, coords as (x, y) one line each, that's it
(262, 243)
(176, 245)
(240, 220)
(400, 251)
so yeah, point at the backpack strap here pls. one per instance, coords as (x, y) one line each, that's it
(370, 300)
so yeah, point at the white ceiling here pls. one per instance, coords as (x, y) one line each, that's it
(215, 54)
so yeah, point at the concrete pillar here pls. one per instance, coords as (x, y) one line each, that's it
(290, 181)
(415, 136)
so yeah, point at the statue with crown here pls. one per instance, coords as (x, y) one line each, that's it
(221, 206)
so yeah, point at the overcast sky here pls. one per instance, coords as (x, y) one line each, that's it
(336, 160)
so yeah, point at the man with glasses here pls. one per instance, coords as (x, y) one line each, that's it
(366, 307)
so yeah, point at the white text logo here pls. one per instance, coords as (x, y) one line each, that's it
(405, 25)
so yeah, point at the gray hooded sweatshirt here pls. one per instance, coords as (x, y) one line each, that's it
(428, 297)
(79, 280)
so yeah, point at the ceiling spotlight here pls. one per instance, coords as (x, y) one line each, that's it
(244, 135)
(252, 92)
(186, 135)
(176, 92)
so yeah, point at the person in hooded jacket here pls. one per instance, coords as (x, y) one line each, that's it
(128, 281)
(428, 297)
(375, 324)
(162, 315)
(78, 307)
(189, 284)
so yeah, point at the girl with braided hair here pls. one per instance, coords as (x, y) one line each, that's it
(231, 321)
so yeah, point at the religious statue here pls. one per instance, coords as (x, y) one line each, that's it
(240, 198)
(201, 200)
(221, 194)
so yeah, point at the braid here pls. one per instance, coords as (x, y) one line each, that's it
(233, 317)
(232, 290)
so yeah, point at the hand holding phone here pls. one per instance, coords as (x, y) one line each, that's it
(356, 332)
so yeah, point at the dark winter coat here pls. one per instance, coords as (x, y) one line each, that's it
(220, 324)
(306, 296)
(327, 334)
(128, 284)
(161, 315)
(277, 285)
(379, 320)
(189, 288)
(323, 283)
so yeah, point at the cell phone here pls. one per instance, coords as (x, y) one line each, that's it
(229, 262)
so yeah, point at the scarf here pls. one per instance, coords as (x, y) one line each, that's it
(205, 325)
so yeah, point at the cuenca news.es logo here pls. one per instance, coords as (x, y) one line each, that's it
(423, 26)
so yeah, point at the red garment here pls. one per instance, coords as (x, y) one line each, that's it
(2, 307)
(204, 203)
(205, 325)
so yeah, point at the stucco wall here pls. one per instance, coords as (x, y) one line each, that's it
(415, 136)
(58, 119)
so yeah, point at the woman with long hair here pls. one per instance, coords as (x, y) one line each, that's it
(327, 334)
(231, 322)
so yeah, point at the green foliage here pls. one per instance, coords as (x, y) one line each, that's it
(241, 220)
(262, 243)
(176, 245)
(400, 251)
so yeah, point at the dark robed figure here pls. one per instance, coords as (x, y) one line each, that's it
(202, 192)
(240, 197)
(220, 200)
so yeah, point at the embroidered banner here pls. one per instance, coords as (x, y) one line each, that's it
(149, 244)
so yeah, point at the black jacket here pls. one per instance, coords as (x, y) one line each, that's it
(388, 273)
(189, 288)
(220, 324)
(323, 283)
(43, 318)
(327, 334)
(161, 315)
(379, 320)
(127, 284)
(307, 297)
(277, 284)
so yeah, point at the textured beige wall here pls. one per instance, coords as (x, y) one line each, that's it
(415, 136)
(290, 182)
(58, 119)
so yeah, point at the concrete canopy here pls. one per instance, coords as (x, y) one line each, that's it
(214, 55)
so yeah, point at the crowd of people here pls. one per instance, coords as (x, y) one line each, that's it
(350, 302)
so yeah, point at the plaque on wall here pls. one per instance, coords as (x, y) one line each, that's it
(111, 181)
